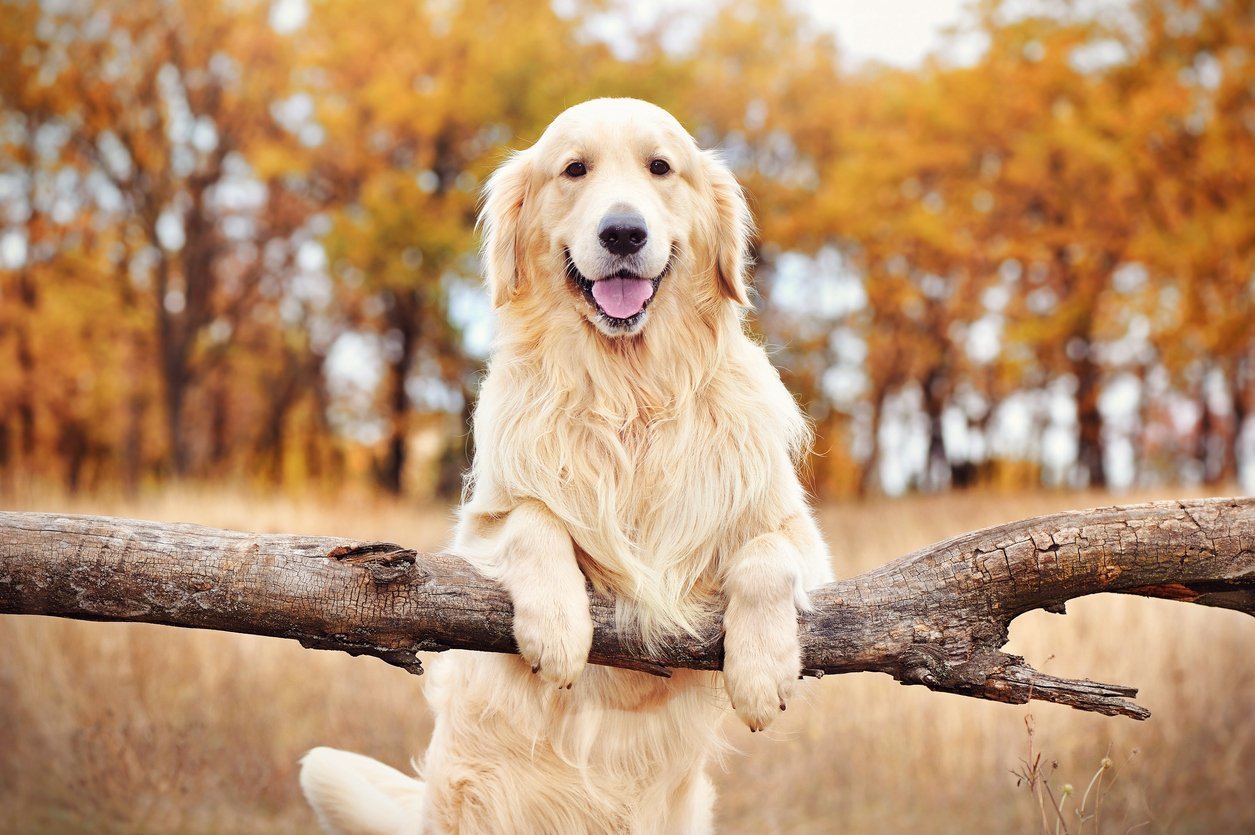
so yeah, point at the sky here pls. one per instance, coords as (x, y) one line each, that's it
(898, 32)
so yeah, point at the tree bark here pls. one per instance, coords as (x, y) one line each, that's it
(936, 617)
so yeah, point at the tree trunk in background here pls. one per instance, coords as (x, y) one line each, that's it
(1090, 452)
(969, 473)
(38, 228)
(133, 444)
(868, 477)
(324, 460)
(25, 406)
(1215, 446)
(218, 444)
(937, 473)
(1205, 439)
(459, 452)
(270, 442)
(392, 469)
(286, 389)
(73, 444)
(1225, 443)
(1243, 405)
(175, 395)
(172, 349)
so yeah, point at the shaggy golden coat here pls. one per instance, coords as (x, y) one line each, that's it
(654, 457)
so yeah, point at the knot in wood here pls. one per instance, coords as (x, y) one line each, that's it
(385, 562)
(391, 569)
(923, 664)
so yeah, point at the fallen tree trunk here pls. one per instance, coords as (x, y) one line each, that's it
(937, 617)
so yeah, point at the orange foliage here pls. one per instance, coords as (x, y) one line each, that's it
(200, 208)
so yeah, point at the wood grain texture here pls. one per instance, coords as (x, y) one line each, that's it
(937, 617)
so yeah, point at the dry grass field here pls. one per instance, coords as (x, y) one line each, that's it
(118, 728)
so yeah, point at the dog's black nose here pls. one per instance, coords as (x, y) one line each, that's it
(623, 233)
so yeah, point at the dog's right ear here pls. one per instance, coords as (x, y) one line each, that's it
(504, 196)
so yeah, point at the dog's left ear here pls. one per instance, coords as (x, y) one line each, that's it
(501, 218)
(734, 226)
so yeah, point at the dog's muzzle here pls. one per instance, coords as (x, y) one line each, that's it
(620, 298)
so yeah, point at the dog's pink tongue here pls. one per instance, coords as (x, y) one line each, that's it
(622, 298)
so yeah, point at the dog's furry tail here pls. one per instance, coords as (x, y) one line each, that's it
(355, 795)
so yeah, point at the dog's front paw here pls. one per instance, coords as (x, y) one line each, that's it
(554, 635)
(760, 672)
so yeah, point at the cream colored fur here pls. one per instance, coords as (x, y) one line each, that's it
(658, 462)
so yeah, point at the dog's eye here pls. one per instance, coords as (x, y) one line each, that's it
(576, 169)
(659, 167)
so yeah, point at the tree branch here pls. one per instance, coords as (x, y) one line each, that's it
(937, 617)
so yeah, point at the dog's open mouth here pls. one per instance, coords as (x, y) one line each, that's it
(620, 298)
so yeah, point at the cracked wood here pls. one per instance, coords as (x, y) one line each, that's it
(937, 617)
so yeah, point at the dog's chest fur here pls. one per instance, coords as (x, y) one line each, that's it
(655, 483)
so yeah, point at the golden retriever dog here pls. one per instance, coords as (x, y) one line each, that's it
(631, 436)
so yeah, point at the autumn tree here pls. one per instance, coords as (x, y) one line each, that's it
(414, 105)
(763, 86)
(152, 110)
(1188, 97)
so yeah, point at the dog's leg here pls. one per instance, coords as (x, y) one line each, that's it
(536, 563)
(763, 584)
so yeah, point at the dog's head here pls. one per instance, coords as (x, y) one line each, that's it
(613, 206)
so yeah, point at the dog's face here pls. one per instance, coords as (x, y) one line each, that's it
(611, 207)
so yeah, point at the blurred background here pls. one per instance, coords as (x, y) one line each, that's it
(1005, 261)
